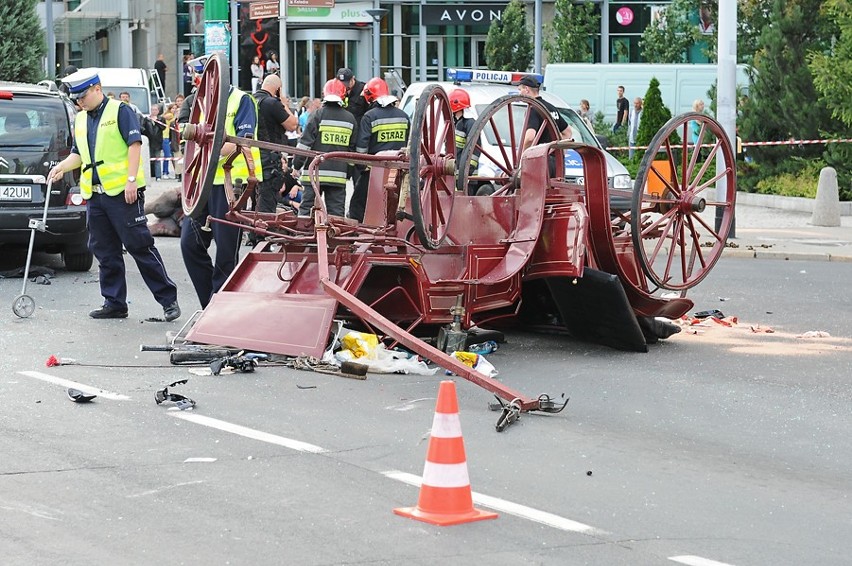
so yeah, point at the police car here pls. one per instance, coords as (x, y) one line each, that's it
(486, 86)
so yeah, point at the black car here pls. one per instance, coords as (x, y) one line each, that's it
(36, 129)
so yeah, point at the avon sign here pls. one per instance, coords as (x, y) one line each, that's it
(461, 14)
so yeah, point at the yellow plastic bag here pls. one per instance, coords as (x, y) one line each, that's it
(360, 344)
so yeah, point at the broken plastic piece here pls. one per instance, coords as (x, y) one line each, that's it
(54, 361)
(715, 313)
(181, 402)
(79, 396)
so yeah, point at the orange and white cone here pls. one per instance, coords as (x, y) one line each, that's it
(445, 495)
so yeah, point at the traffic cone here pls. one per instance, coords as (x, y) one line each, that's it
(445, 495)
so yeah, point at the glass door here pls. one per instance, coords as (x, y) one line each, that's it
(434, 60)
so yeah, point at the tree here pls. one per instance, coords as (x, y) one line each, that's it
(832, 70)
(654, 114)
(23, 45)
(508, 47)
(667, 39)
(568, 36)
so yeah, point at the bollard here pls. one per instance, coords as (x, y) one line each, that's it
(827, 204)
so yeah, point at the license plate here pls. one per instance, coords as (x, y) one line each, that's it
(16, 192)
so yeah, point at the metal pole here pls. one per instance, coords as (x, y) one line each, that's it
(422, 40)
(377, 47)
(235, 44)
(51, 40)
(537, 35)
(605, 31)
(726, 90)
(283, 57)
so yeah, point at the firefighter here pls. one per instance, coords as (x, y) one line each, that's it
(383, 128)
(459, 100)
(331, 128)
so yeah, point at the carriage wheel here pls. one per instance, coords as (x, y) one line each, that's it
(683, 202)
(506, 119)
(432, 166)
(203, 135)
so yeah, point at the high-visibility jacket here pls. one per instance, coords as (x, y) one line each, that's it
(382, 129)
(331, 128)
(239, 169)
(110, 157)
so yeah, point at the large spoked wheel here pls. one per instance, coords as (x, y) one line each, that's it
(683, 201)
(432, 166)
(496, 141)
(203, 135)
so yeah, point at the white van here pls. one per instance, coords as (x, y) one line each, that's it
(680, 84)
(482, 93)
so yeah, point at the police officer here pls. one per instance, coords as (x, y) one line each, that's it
(208, 276)
(459, 101)
(274, 119)
(529, 86)
(384, 127)
(331, 128)
(107, 145)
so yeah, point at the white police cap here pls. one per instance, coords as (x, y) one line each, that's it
(198, 63)
(80, 81)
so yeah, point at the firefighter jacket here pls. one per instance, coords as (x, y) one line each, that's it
(463, 126)
(382, 128)
(331, 128)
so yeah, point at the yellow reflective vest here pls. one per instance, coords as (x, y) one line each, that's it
(240, 168)
(110, 153)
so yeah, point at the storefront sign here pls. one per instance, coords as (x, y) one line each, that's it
(350, 13)
(263, 10)
(624, 16)
(217, 38)
(461, 14)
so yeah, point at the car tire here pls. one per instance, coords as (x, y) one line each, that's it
(486, 189)
(78, 261)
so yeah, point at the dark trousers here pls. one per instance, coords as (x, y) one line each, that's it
(334, 195)
(113, 223)
(273, 179)
(208, 276)
(358, 202)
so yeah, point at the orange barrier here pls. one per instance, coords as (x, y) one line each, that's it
(445, 494)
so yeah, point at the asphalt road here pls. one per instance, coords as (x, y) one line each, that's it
(726, 446)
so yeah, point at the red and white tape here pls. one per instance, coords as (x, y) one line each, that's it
(747, 144)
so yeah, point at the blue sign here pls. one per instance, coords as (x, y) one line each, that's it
(572, 160)
(217, 37)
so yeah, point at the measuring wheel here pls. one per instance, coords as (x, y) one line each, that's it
(203, 135)
(496, 142)
(432, 166)
(683, 202)
(23, 306)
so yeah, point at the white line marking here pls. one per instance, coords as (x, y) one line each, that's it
(250, 433)
(697, 561)
(164, 488)
(193, 460)
(81, 386)
(510, 508)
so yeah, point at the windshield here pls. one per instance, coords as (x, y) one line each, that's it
(33, 122)
(139, 96)
(579, 131)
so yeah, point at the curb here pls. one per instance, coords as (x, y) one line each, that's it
(796, 204)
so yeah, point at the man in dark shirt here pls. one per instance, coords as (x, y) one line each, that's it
(622, 105)
(161, 68)
(529, 86)
(272, 123)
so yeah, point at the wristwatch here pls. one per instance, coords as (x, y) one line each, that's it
(131, 179)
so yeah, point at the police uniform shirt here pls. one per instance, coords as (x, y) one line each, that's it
(271, 114)
(536, 121)
(382, 129)
(128, 126)
(245, 121)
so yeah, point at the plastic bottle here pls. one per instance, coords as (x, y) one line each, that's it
(483, 347)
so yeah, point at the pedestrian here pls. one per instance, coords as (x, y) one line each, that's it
(331, 128)
(272, 66)
(529, 86)
(585, 114)
(694, 126)
(208, 276)
(161, 68)
(384, 127)
(107, 145)
(274, 120)
(256, 73)
(459, 101)
(621, 106)
(633, 125)
(187, 74)
(153, 128)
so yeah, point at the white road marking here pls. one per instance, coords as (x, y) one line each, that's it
(510, 508)
(81, 386)
(164, 488)
(192, 460)
(297, 445)
(697, 561)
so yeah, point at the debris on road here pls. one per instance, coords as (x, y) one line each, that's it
(814, 334)
(181, 402)
(79, 396)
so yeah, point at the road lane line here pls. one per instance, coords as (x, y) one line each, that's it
(164, 488)
(510, 508)
(697, 561)
(297, 445)
(81, 386)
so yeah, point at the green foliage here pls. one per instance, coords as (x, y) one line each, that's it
(568, 35)
(654, 114)
(509, 44)
(22, 45)
(800, 183)
(669, 38)
(832, 69)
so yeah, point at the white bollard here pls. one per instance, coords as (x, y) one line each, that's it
(827, 204)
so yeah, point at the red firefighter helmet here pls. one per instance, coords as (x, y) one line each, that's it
(333, 91)
(459, 100)
(375, 88)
